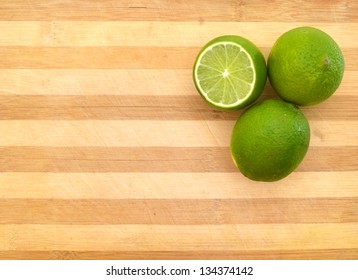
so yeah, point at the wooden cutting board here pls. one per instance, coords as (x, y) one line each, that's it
(108, 152)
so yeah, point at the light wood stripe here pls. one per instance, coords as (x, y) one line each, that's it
(312, 254)
(178, 238)
(146, 33)
(195, 10)
(174, 185)
(178, 212)
(150, 133)
(155, 159)
(148, 107)
(109, 58)
(139, 82)
(87, 82)
(97, 57)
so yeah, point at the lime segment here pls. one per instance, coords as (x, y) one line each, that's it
(225, 72)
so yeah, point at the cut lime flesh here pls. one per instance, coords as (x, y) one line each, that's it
(224, 74)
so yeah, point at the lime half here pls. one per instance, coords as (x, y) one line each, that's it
(230, 72)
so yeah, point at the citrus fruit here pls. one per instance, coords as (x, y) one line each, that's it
(230, 72)
(269, 140)
(305, 66)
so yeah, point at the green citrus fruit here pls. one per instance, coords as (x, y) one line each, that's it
(305, 66)
(230, 72)
(269, 140)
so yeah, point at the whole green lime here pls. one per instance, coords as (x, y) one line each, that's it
(305, 66)
(269, 140)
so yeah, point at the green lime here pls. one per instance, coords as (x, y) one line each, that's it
(269, 140)
(230, 72)
(305, 66)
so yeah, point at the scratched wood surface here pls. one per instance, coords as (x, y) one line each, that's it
(108, 152)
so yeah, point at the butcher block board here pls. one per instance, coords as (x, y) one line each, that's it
(108, 152)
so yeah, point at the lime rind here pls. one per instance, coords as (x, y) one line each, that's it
(225, 80)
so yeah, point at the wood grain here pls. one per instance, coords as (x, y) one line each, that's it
(311, 254)
(108, 152)
(166, 10)
(155, 33)
(154, 159)
(157, 237)
(154, 211)
(151, 133)
(130, 185)
(148, 107)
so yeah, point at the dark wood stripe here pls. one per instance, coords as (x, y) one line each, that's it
(120, 57)
(178, 211)
(129, 107)
(155, 159)
(193, 10)
(126, 10)
(314, 254)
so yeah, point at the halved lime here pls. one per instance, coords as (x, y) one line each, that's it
(230, 72)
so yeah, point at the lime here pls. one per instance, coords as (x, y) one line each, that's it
(230, 72)
(269, 140)
(305, 66)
